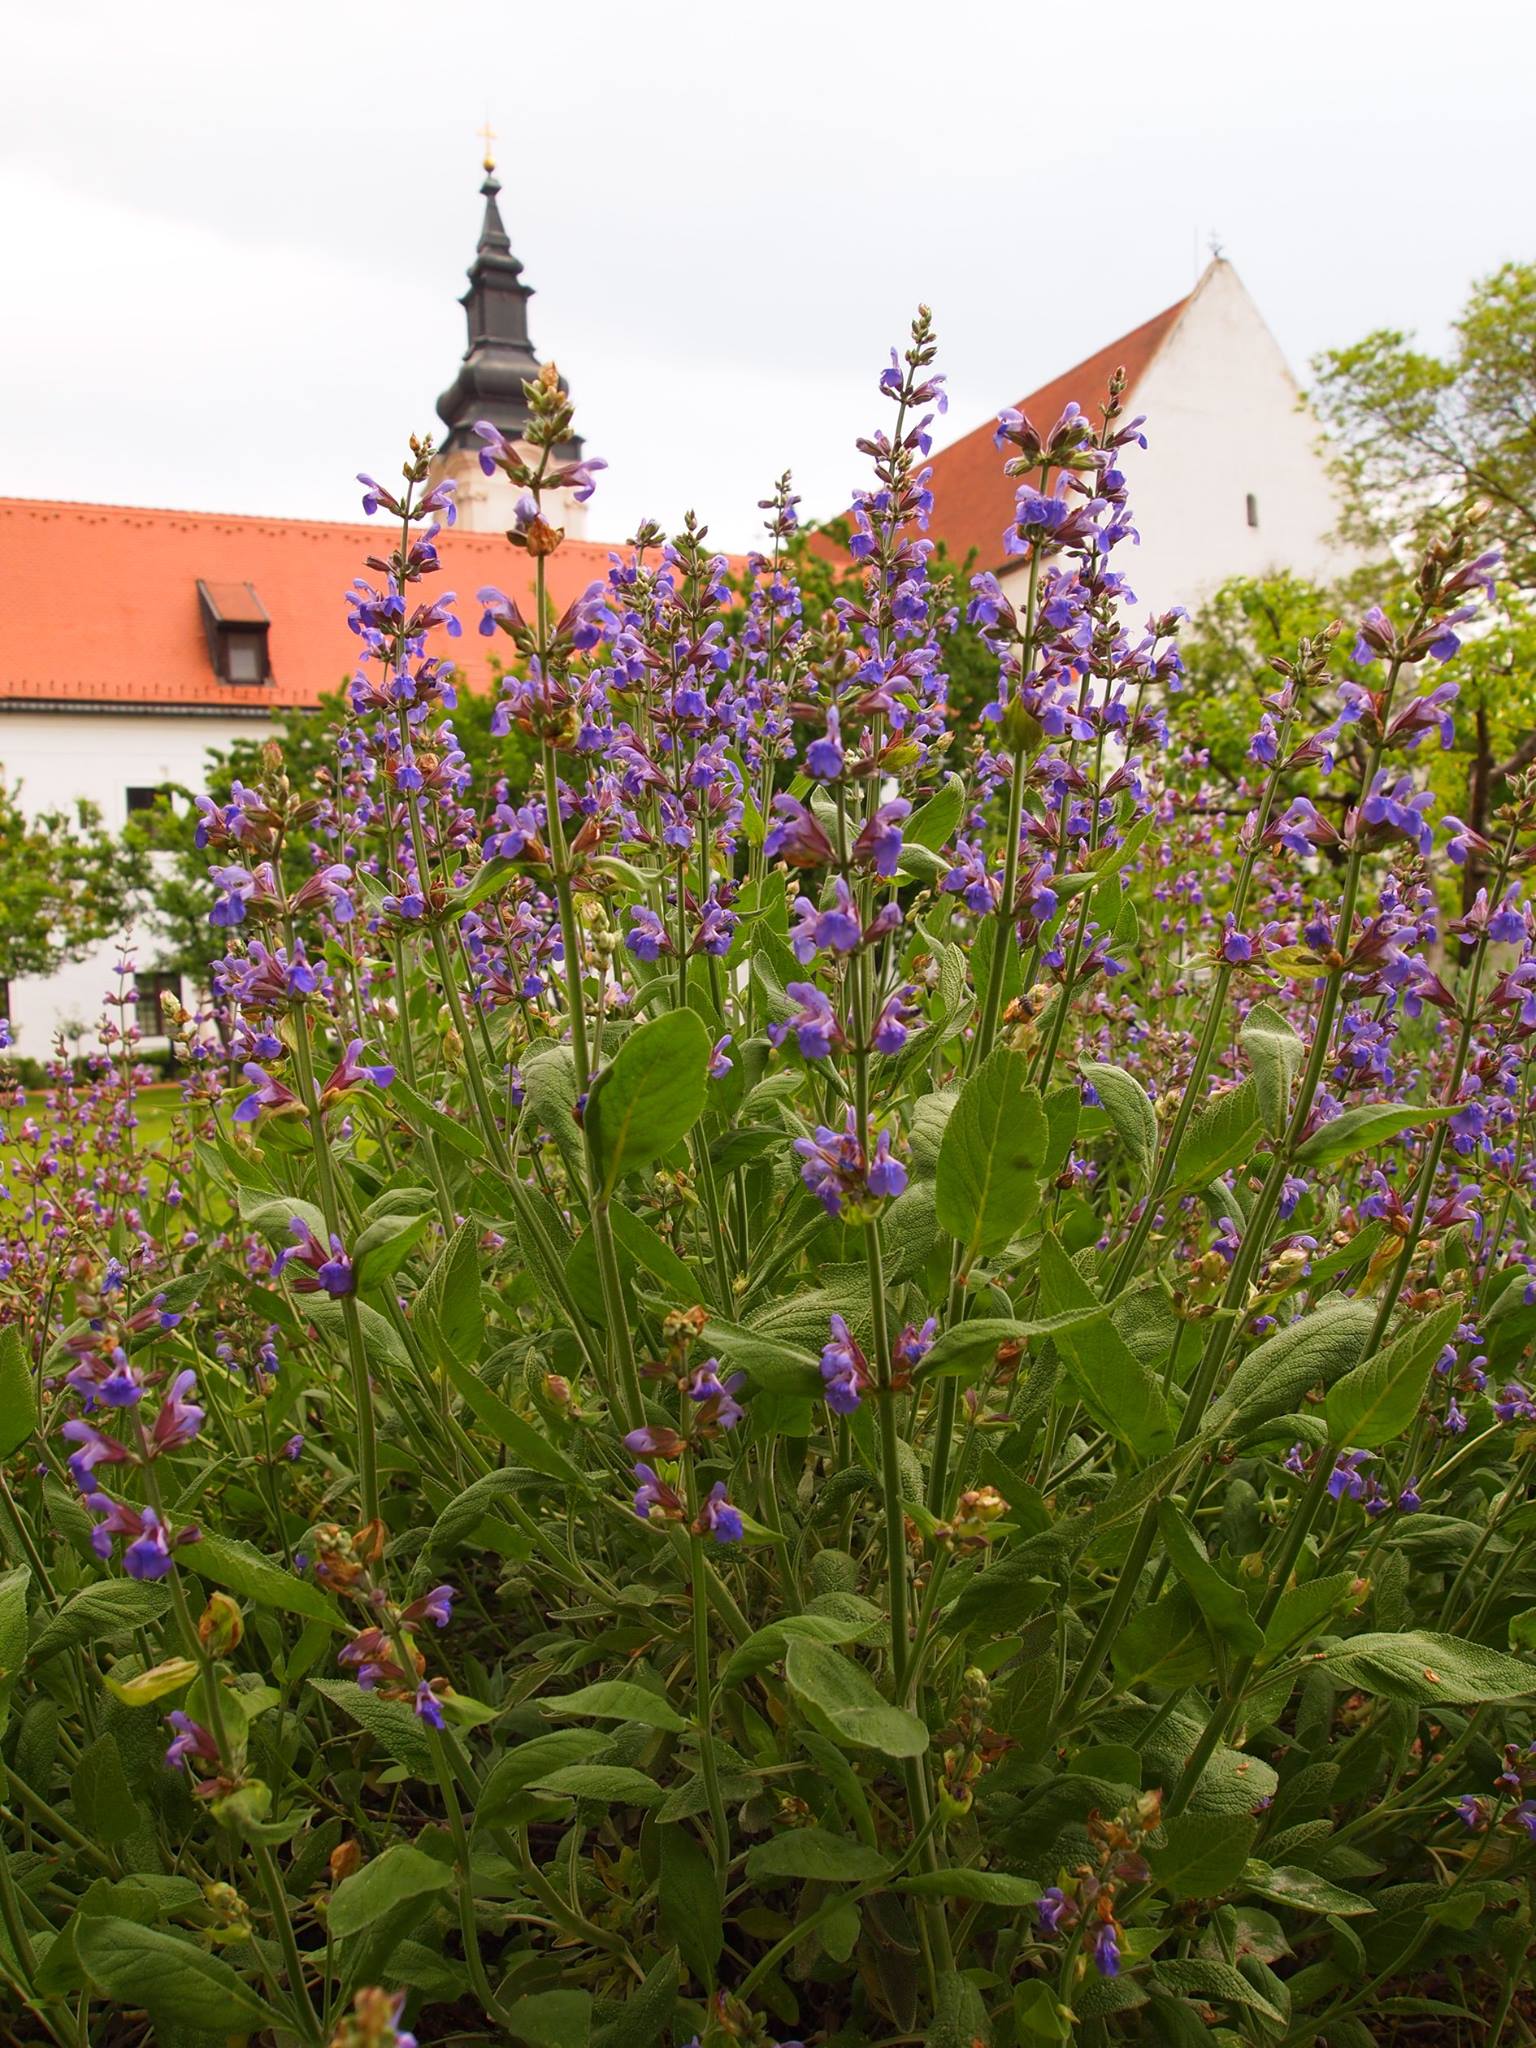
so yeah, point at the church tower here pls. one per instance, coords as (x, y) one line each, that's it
(497, 363)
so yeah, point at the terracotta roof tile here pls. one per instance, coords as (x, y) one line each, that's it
(103, 603)
(973, 498)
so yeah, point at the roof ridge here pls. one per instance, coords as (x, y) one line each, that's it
(256, 519)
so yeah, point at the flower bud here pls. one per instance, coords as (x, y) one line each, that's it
(220, 1626)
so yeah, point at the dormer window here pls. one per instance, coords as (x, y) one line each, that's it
(236, 623)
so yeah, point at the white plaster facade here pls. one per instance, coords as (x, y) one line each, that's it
(1224, 425)
(59, 756)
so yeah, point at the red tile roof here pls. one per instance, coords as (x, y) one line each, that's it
(973, 498)
(103, 607)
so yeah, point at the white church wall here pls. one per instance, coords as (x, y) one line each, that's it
(100, 755)
(1224, 425)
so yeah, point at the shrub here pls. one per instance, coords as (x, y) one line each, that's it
(820, 1375)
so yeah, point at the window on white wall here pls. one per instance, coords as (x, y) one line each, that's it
(147, 1011)
(1253, 509)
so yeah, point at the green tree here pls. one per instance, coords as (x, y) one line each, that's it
(1414, 431)
(66, 884)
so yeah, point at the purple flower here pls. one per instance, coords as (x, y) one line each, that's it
(179, 1419)
(647, 935)
(1106, 1949)
(191, 1740)
(1516, 1405)
(895, 1021)
(814, 1023)
(1346, 1480)
(95, 1449)
(912, 1346)
(834, 930)
(717, 1517)
(836, 1169)
(879, 844)
(350, 1072)
(148, 1554)
(797, 837)
(1471, 1812)
(317, 1267)
(1054, 1910)
(655, 1501)
(719, 1065)
(436, 1607)
(428, 1706)
(266, 1094)
(706, 1386)
(844, 1370)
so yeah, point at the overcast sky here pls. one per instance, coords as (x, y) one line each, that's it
(235, 234)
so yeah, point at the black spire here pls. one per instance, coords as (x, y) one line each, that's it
(499, 359)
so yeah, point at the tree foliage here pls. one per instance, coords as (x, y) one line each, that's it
(66, 884)
(1415, 430)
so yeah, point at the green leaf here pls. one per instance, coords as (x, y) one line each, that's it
(385, 1245)
(401, 1873)
(770, 1362)
(428, 1121)
(611, 1784)
(1362, 1130)
(1379, 1400)
(1039, 2014)
(1217, 1598)
(103, 1798)
(656, 1256)
(984, 1887)
(448, 1305)
(967, 1350)
(18, 1392)
(170, 1977)
(690, 1902)
(1303, 1889)
(98, 1613)
(1132, 1117)
(541, 1754)
(14, 1585)
(933, 824)
(1275, 1053)
(645, 2016)
(651, 1095)
(768, 1645)
(552, 2019)
(841, 1700)
(1212, 1982)
(1222, 1134)
(991, 1156)
(1274, 1377)
(1165, 1645)
(391, 1723)
(1430, 1670)
(1118, 1391)
(1203, 1854)
(615, 1699)
(509, 1428)
(239, 1568)
(1301, 1610)
(814, 1853)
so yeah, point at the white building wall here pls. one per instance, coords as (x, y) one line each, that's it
(1224, 422)
(61, 756)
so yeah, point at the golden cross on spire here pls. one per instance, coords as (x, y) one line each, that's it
(487, 135)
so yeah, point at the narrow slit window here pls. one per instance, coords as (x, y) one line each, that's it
(1253, 509)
